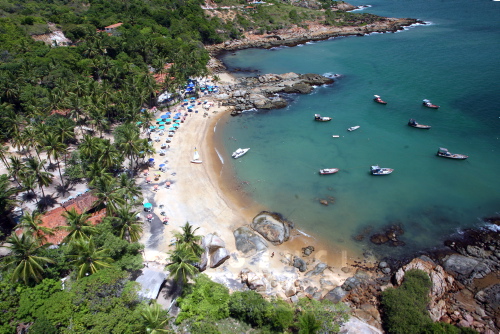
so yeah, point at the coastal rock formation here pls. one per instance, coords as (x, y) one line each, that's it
(218, 257)
(252, 280)
(248, 242)
(466, 268)
(262, 92)
(272, 226)
(299, 264)
(307, 250)
(313, 32)
(320, 267)
(212, 242)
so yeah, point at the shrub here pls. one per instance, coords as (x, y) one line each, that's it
(405, 307)
(330, 316)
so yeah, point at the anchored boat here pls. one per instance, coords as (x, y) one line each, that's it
(428, 104)
(328, 171)
(443, 152)
(378, 99)
(239, 152)
(413, 123)
(377, 170)
(319, 118)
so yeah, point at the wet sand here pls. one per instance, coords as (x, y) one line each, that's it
(208, 197)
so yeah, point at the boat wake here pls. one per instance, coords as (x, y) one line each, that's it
(220, 156)
(304, 233)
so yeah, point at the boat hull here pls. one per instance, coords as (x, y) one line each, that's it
(328, 171)
(453, 156)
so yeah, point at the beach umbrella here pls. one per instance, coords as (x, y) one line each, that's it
(163, 117)
(161, 123)
(151, 159)
(162, 165)
(148, 205)
(177, 121)
(159, 119)
(178, 114)
(176, 117)
(168, 120)
(161, 127)
(172, 129)
(152, 127)
(185, 100)
(138, 123)
(148, 179)
(150, 216)
(175, 125)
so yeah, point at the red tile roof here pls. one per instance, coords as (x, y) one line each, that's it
(113, 26)
(54, 218)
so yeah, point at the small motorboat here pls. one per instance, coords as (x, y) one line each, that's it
(428, 104)
(377, 170)
(443, 152)
(239, 152)
(352, 128)
(319, 118)
(379, 100)
(335, 136)
(328, 171)
(413, 123)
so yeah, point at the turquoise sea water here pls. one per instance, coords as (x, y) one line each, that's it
(454, 61)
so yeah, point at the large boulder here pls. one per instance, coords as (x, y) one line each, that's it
(466, 268)
(252, 280)
(212, 242)
(248, 242)
(218, 257)
(202, 266)
(315, 79)
(272, 226)
(299, 264)
(300, 87)
(336, 295)
(320, 267)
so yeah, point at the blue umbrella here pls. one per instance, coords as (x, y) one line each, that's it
(172, 129)
(176, 117)
(148, 205)
(151, 159)
(159, 120)
(190, 107)
(185, 100)
(138, 123)
(163, 116)
(161, 127)
(193, 98)
(161, 123)
(168, 120)
(175, 125)
(177, 121)
(178, 114)
(152, 127)
(162, 165)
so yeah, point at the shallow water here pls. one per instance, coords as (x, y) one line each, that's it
(453, 61)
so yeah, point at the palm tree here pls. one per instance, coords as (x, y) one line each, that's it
(78, 226)
(16, 168)
(4, 152)
(87, 258)
(64, 129)
(155, 319)
(32, 224)
(108, 194)
(187, 237)
(127, 225)
(128, 189)
(7, 199)
(109, 156)
(181, 266)
(130, 143)
(27, 265)
(54, 147)
(34, 167)
(88, 146)
(308, 324)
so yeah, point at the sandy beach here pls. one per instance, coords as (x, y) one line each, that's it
(201, 195)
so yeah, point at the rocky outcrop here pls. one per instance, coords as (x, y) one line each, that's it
(466, 268)
(299, 264)
(314, 32)
(252, 280)
(218, 257)
(320, 267)
(248, 242)
(262, 92)
(212, 242)
(272, 226)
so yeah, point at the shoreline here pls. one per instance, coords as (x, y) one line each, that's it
(208, 196)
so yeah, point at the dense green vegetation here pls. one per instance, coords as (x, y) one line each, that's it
(405, 308)
(72, 114)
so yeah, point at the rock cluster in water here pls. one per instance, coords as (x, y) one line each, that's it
(263, 92)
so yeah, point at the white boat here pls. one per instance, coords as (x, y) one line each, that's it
(377, 170)
(239, 152)
(196, 157)
(352, 128)
(328, 171)
(319, 118)
(335, 136)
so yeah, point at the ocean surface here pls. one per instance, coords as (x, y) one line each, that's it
(454, 61)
